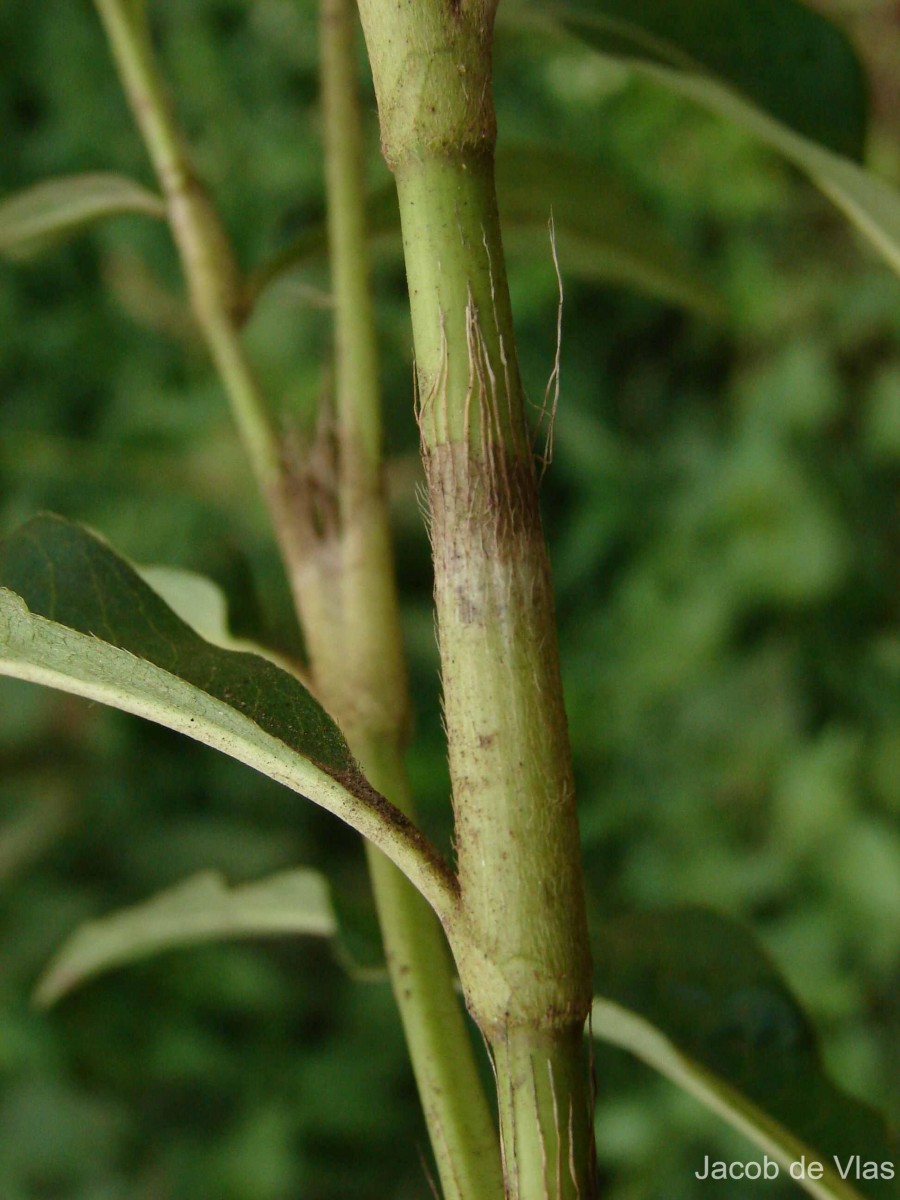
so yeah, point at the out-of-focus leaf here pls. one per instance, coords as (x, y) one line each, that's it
(50, 211)
(605, 234)
(782, 56)
(198, 601)
(201, 909)
(692, 995)
(869, 202)
(76, 616)
(662, 43)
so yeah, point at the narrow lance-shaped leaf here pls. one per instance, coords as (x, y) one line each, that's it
(50, 211)
(867, 200)
(76, 616)
(775, 67)
(692, 995)
(604, 233)
(781, 55)
(201, 909)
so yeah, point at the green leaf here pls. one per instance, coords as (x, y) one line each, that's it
(203, 605)
(48, 212)
(869, 202)
(782, 56)
(76, 616)
(604, 233)
(817, 125)
(201, 909)
(692, 995)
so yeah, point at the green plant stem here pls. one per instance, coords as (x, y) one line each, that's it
(546, 1112)
(206, 256)
(459, 1121)
(371, 695)
(346, 594)
(521, 948)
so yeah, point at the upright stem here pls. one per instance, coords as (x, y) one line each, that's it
(522, 951)
(345, 589)
(206, 256)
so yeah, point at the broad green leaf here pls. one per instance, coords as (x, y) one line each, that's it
(198, 601)
(780, 55)
(661, 42)
(202, 604)
(76, 616)
(692, 995)
(604, 233)
(201, 909)
(50, 211)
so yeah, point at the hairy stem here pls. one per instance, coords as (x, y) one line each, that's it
(342, 571)
(521, 946)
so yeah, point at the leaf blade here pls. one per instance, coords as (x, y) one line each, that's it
(202, 908)
(55, 209)
(869, 202)
(76, 616)
(690, 994)
(783, 57)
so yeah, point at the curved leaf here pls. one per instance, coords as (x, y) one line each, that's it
(788, 60)
(692, 995)
(662, 43)
(604, 233)
(55, 209)
(870, 202)
(203, 605)
(76, 616)
(201, 909)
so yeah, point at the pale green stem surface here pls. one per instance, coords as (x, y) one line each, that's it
(546, 1112)
(459, 300)
(206, 256)
(521, 945)
(351, 615)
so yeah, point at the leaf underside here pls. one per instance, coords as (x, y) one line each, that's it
(76, 616)
(691, 994)
(46, 213)
(73, 578)
(781, 71)
(201, 909)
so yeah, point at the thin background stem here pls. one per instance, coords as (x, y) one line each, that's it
(206, 255)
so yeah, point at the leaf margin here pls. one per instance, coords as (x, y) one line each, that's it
(75, 202)
(38, 649)
(202, 908)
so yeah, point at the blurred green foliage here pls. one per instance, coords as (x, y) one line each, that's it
(722, 516)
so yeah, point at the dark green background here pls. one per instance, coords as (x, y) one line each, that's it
(722, 516)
